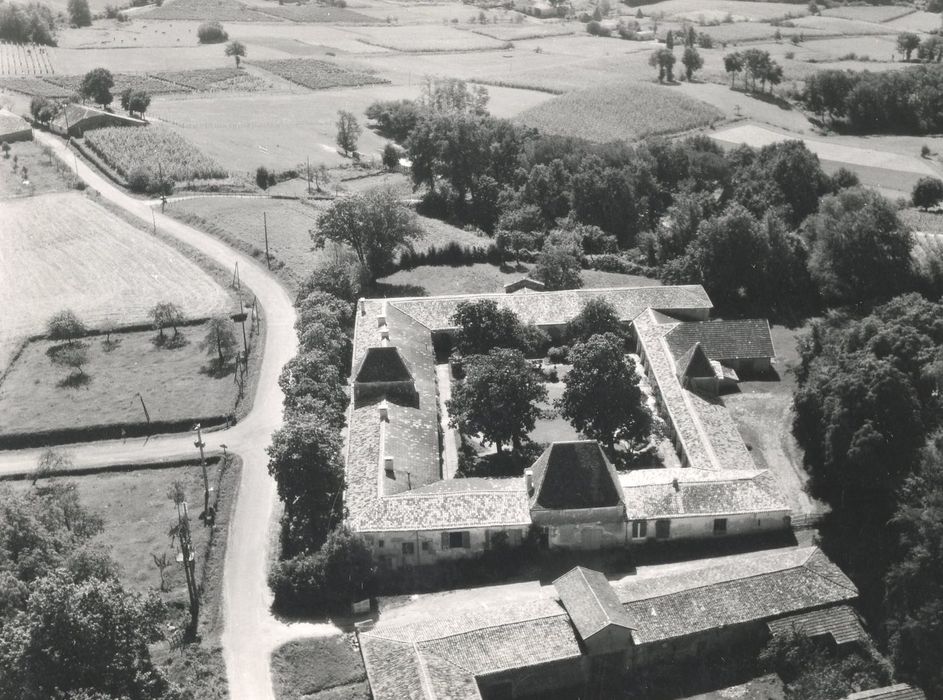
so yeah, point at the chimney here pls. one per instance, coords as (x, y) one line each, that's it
(529, 481)
(381, 320)
(385, 333)
(674, 482)
(363, 306)
(384, 410)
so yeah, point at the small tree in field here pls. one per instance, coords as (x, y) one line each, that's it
(65, 325)
(928, 192)
(907, 43)
(390, 157)
(220, 340)
(692, 62)
(664, 61)
(97, 85)
(165, 314)
(348, 131)
(79, 14)
(237, 50)
(51, 461)
(73, 356)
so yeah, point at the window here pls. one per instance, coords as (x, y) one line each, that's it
(639, 529)
(456, 540)
(720, 526)
(409, 548)
(663, 529)
(426, 545)
(380, 544)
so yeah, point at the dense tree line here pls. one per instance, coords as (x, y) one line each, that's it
(33, 23)
(904, 101)
(68, 628)
(867, 414)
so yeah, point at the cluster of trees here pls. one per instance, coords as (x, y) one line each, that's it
(135, 101)
(929, 49)
(96, 86)
(68, 628)
(79, 13)
(664, 59)
(43, 110)
(501, 392)
(868, 415)
(324, 566)
(33, 23)
(904, 101)
(755, 66)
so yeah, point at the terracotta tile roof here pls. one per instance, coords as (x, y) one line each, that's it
(574, 475)
(732, 590)
(724, 340)
(694, 363)
(383, 364)
(590, 601)
(553, 308)
(900, 691)
(841, 622)
(662, 493)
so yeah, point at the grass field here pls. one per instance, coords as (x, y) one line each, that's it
(43, 175)
(482, 278)
(312, 12)
(307, 668)
(744, 10)
(177, 384)
(222, 10)
(836, 25)
(869, 13)
(625, 111)
(318, 75)
(914, 22)
(431, 38)
(65, 249)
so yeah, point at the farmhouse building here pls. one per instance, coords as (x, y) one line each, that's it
(590, 626)
(412, 512)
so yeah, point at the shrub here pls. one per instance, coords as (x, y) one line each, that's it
(925, 151)
(550, 374)
(263, 178)
(928, 192)
(596, 29)
(211, 33)
(557, 354)
(139, 179)
(390, 157)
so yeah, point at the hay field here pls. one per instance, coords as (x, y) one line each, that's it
(222, 10)
(869, 13)
(621, 111)
(65, 250)
(431, 38)
(745, 10)
(840, 27)
(914, 22)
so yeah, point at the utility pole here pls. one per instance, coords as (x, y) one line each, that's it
(241, 318)
(188, 560)
(235, 276)
(308, 171)
(268, 260)
(154, 221)
(206, 482)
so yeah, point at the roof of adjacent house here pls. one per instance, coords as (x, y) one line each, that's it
(590, 601)
(440, 657)
(11, 123)
(724, 340)
(572, 475)
(382, 364)
(841, 622)
(900, 691)
(665, 493)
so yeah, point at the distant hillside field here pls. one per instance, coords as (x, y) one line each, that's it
(627, 111)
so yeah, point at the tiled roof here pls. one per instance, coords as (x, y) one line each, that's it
(574, 475)
(554, 308)
(440, 657)
(900, 691)
(383, 364)
(732, 590)
(662, 493)
(841, 622)
(590, 601)
(695, 363)
(724, 340)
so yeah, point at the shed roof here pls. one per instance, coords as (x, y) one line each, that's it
(590, 601)
(840, 622)
(900, 691)
(724, 340)
(574, 475)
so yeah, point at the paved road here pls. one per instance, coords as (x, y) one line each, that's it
(250, 631)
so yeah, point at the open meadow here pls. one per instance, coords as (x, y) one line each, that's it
(41, 172)
(65, 250)
(177, 380)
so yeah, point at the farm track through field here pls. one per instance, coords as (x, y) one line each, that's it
(250, 631)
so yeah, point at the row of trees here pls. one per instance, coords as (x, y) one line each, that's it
(904, 101)
(324, 566)
(868, 416)
(32, 23)
(664, 60)
(755, 66)
(929, 49)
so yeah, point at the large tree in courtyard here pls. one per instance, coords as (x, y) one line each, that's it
(376, 225)
(483, 325)
(602, 398)
(498, 398)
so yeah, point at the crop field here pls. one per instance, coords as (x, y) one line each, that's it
(66, 247)
(24, 59)
(140, 59)
(312, 12)
(840, 27)
(624, 111)
(518, 32)
(122, 81)
(869, 13)
(152, 148)
(174, 382)
(753, 31)
(222, 10)
(215, 80)
(318, 75)
(33, 86)
(744, 10)
(432, 38)
(877, 48)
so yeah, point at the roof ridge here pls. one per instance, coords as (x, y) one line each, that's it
(423, 673)
(817, 550)
(687, 288)
(530, 618)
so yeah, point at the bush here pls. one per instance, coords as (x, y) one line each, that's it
(550, 374)
(211, 33)
(139, 180)
(390, 157)
(263, 178)
(557, 354)
(928, 192)
(452, 253)
(596, 29)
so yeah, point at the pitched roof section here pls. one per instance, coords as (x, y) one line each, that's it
(900, 691)
(724, 340)
(695, 364)
(574, 475)
(383, 364)
(840, 622)
(590, 601)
